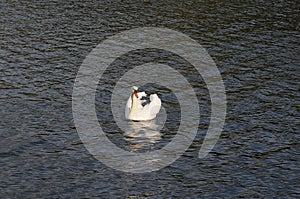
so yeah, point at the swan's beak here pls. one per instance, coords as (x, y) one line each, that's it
(136, 94)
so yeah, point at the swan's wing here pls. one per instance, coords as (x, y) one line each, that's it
(128, 107)
(155, 104)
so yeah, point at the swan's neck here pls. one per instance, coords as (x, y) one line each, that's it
(134, 106)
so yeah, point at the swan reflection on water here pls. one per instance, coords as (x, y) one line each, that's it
(144, 134)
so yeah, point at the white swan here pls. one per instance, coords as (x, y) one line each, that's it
(135, 110)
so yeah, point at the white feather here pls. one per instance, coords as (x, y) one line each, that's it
(134, 109)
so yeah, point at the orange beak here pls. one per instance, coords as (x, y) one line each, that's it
(136, 94)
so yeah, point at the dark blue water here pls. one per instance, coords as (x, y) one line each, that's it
(255, 46)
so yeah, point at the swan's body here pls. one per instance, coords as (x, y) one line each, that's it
(135, 110)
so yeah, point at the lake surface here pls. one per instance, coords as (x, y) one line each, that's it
(254, 45)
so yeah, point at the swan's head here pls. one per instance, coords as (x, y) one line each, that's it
(135, 91)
